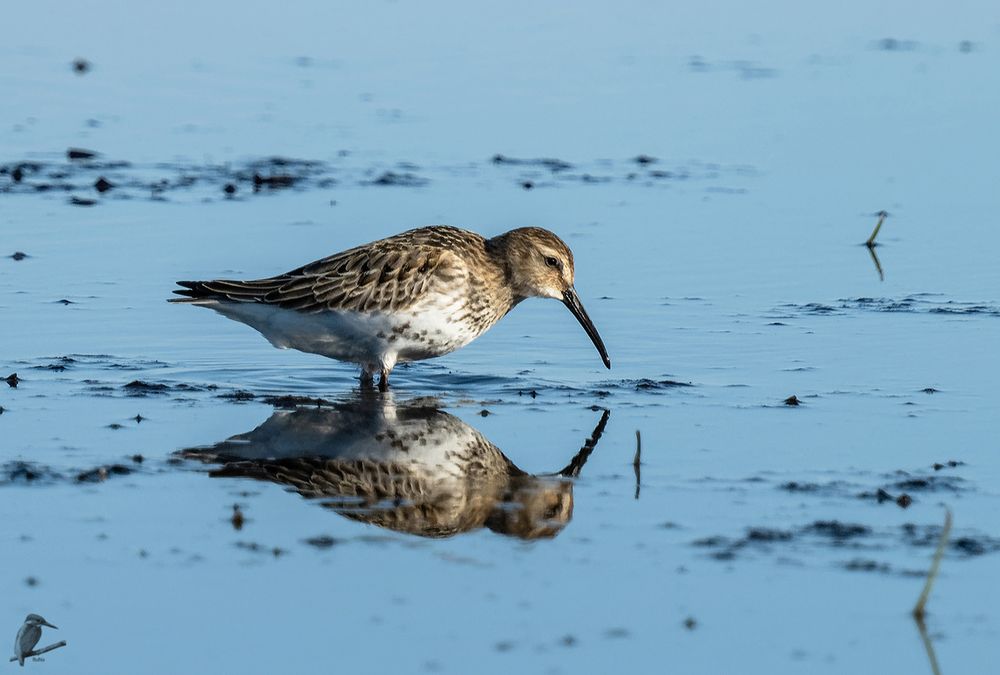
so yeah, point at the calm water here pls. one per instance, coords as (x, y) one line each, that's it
(724, 277)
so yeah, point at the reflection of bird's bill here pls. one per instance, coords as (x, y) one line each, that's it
(572, 470)
(572, 301)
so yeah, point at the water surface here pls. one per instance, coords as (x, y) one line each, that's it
(715, 172)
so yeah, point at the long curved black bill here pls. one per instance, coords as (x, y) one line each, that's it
(571, 300)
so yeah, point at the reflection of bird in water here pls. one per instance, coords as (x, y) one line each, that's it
(408, 467)
(28, 636)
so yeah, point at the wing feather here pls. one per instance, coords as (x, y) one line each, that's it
(385, 275)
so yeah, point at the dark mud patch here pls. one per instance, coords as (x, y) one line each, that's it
(830, 489)
(57, 365)
(255, 547)
(891, 44)
(968, 545)
(921, 303)
(531, 173)
(394, 179)
(282, 401)
(896, 487)
(549, 163)
(20, 472)
(93, 180)
(648, 385)
(835, 534)
(238, 396)
(100, 474)
(142, 388)
(80, 153)
(929, 483)
(27, 473)
(289, 402)
(744, 69)
(643, 384)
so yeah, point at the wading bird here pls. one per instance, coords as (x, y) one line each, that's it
(417, 295)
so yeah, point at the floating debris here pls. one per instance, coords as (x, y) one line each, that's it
(553, 165)
(141, 388)
(322, 542)
(102, 473)
(400, 179)
(273, 182)
(237, 518)
(890, 44)
(238, 395)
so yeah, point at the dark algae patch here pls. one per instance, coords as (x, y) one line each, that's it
(141, 388)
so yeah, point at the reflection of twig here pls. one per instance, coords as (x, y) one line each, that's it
(878, 226)
(920, 607)
(878, 265)
(572, 470)
(43, 650)
(637, 460)
(928, 645)
(918, 610)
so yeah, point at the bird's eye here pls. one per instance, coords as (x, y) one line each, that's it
(551, 262)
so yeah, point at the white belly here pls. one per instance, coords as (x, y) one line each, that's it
(375, 340)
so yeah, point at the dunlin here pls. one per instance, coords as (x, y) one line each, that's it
(417, 295)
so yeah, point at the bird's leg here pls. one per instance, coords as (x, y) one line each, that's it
(367, 379)
(383, 381)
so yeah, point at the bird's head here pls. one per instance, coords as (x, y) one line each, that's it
(36, 620)
(540, 265)
(533, 508)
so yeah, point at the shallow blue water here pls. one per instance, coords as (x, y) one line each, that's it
(738, 269)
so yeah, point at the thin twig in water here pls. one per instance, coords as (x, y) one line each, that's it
(918, 609)
(878, 226)
(928, 645)
(43, 650)
(637, 460)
